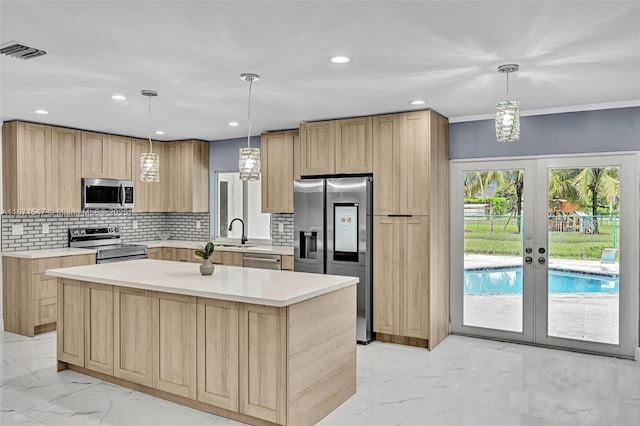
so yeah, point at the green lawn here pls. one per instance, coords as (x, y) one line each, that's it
(502, 238)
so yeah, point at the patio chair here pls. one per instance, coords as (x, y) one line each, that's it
(608, 258)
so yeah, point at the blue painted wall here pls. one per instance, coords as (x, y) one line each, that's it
(223, 157)
(568, 133)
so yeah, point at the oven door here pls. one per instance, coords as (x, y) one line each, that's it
(107, 194)
(262, 261)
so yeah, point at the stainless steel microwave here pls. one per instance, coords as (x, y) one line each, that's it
(107, 194)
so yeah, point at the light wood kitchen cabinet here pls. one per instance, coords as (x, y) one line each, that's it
(410, 157)
(263, 362)
(95, 154)
(133, 335)
(287, 263)
(155, 253)
(188, 183)
(277, 160)
(174, 344)
(218, 353)
(149, 196)
(336, 147)
(119, 161)
(354, 146)
(29, 296)
(66, 168)
(297, 157)
(229, 258)
(401, 276)
(98, 328)
(317, 148)
(26, 152)
(71, 318)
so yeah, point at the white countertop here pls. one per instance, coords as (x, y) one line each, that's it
(41, 254)
(68, 251)
(286, 251)
(248, 285)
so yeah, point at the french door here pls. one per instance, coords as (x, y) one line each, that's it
(545, 251)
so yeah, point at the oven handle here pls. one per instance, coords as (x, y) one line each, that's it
(261, 259)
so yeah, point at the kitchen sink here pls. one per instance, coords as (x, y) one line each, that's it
(235, 245)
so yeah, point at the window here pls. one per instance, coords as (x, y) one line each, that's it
(241, 199)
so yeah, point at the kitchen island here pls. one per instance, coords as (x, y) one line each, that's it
(258, 346)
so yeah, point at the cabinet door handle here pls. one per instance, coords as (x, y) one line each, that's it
(400, 215)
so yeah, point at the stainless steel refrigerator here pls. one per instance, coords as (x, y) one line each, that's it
(333, 235)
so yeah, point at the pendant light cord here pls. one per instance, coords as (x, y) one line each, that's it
(149, 128)
(249, 113)
(507, 84)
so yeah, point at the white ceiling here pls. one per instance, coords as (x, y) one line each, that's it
(572, 55)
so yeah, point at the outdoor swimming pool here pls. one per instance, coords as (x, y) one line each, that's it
(509, 281)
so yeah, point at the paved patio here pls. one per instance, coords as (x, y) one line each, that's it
(582, 316)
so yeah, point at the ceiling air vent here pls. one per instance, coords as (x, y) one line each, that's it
(21, 51)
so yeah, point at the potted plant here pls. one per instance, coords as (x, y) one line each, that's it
(205, 252)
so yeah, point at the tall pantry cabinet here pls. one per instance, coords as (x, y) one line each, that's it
(411, 228)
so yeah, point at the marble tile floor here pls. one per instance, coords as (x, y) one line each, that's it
(464, 381)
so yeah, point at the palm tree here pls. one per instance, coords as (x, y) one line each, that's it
(474, 183)
(562, 185)
(594, 183)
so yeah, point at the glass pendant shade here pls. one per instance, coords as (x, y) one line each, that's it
(507, 121)
(249, 163)
(149, 167)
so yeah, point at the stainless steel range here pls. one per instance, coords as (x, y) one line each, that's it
(107, 243)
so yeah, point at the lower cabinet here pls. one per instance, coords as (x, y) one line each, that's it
(133, 335)
(401, 284)
(174, 343)
(226, 354)
(218, 353)
(155, 253)
(263, 346)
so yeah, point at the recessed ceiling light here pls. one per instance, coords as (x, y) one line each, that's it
(159, 132)
(41, 111)
(340, 59)
(418, 102)
(118, 97)
(233, 123)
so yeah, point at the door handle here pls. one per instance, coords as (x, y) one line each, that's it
(541, 260)
(528, 260)
(122, 196)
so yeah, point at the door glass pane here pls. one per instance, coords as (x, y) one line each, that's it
(230, 194)
(583, 235)
(259, 223)
(493, 207)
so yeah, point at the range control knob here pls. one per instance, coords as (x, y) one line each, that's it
(110, 230)
(117, 230)
(82, 231)
(75, 232)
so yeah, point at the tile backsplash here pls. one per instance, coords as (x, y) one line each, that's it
(282, 238)
(182, 226)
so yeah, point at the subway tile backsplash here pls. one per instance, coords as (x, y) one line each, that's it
(282, 238)
(182, 226)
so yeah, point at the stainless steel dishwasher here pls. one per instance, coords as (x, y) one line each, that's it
(262, 261)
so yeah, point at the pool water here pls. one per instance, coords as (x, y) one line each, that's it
(506, 281)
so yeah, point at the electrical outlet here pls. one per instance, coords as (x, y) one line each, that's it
(197, 224)
(280, 227)
(45, 228)
(135, 224)
(17, 229)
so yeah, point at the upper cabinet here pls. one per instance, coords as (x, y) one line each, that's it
(336, 147)
(187, 176)
(26, 150)
(66, 168)
(43, 167)
(148, 196)
(409, 150)
(353, 145)
(277, 151)
(106, 156)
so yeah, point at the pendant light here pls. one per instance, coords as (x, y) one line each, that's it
(249, 159)
(508, 112)
(149, 161)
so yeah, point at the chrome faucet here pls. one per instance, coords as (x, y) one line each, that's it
(243, 239)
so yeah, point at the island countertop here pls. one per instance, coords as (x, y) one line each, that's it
(247, 285)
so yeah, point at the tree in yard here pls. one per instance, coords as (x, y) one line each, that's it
(595, 183)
